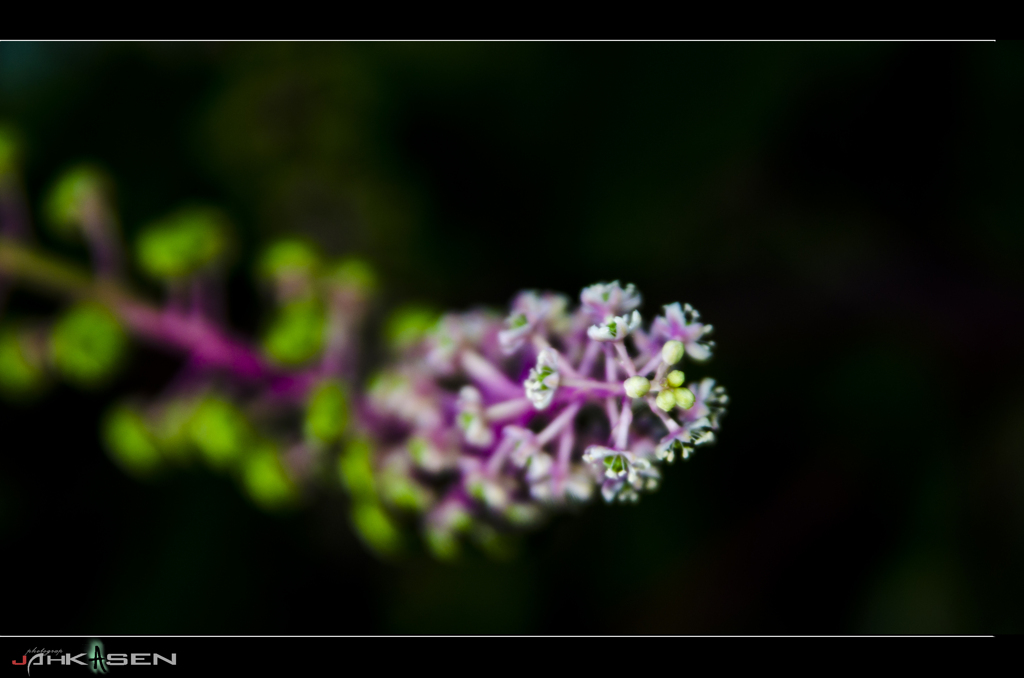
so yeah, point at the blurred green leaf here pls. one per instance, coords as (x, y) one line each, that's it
(130, 442)
(183, 243)
(220, 431)
(356, 470)
(87, 344)
(375, 528)
(22, 372)
(289, 258)
(75, 193)
(408, 325)
(297, 333)
(327, 413)
(266, 480)
(172, 429)
(353, 274)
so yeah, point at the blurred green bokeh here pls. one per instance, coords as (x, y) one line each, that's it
(183, 243)
(87, 344)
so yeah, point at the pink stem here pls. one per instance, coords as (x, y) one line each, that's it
(559, 423)
(488, 376)
(651, 364)
(622, 430)
(625, 360)
(507, 409)
(565, 445)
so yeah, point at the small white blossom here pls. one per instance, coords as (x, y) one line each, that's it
(604, 299)
(543, 380)
(625, 473)
(471, 418)
(531, 311)
(614, 328)
(684, 441)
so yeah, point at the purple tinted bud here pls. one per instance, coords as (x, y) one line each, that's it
(680, 323)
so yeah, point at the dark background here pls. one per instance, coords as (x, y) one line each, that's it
(847, 215)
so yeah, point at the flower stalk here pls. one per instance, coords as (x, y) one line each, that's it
(478, 426)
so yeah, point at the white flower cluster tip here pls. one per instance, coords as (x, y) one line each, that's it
(516, 426)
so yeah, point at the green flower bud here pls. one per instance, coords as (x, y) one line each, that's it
(22, 372)
(403, 492)
(289, 258)
(672, 352)
(183, 243)
(87, 344)
(683, 396)
(665, 400)
(129, 441)
(353, 274)
(220, 431)
(637, 386)
(266, 480)
(71, 197)
(675, 378)
(327, 413)
(172, 429)
(297, 334)
(375, 527)
(408, 325)
(356, 470)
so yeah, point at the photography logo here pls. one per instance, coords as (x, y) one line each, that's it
(95, 658)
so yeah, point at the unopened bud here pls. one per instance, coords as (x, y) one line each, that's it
(672, 352)
(637, 386)
(683, 397)
(665, 400)
(675, 378)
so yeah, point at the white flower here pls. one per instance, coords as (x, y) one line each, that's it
(543, 380)
(614, 328)
(625, 473)
(683, 442)
(471, 418)
(531, 311)
(604, 299)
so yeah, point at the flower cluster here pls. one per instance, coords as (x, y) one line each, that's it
(480, 424)
(493, 423)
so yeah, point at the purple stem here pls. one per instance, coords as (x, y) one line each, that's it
(625, 360)
(589, 356)
(506, 445)
(565, 445)
(508, 409)
(609, 375)
(622, 430)
(488, 376)
(557, 424)
(196, 337)
(651, 364)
